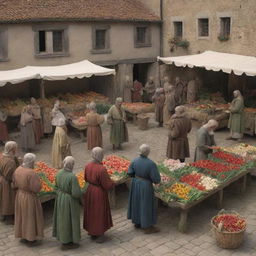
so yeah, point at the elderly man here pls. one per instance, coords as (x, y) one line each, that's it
(93, 121)
(159, 100)
(66, 216)
(179, 87)
(166, 84)
(142, 208)
(29, 220)
(192, 91)
(205, 140)
(179, 127)
(97, 214)
(236, 119)
(8, 164)
(150, 89)
(117, 119)
(60, 145)
(169, 104)
(37, 120)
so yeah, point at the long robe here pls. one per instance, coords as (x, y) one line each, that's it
(178, 145)
(192, 91)
(94, 133)
(236, 119)
(29, 220)
(203, 139)
(60, 147)
(66, 216)
(169, 106)
(150, 89)
(119, 131)
(142, 208)
(179, 87)
(37, 122)
(27, 136)
(46, 113)
(97, 214)
(159, 107)
(8, 165)
(56, 115)
(136, 91)
(127, 93)
(3, 131)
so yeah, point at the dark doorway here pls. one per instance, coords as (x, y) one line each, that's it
(140, 72)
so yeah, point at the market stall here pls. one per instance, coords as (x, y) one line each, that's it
(183, 187)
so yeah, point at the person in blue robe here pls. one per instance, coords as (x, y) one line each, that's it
(142, 203)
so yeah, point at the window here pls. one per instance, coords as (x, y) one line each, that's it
(51, 42)
(225, 26)
(3, 45)
(203, 27)
(101, 39)
(178, 29)
(142, 36)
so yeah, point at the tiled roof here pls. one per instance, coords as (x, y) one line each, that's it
(50, 10)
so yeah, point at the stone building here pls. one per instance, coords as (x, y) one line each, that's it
(123, 34)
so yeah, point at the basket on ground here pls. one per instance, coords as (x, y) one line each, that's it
(142, 121)
(229, 239)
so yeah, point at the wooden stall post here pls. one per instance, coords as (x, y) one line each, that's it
(42, 89)
(182, 226)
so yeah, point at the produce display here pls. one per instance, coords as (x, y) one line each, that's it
(243, 150)
(173, 164)
(138, 107)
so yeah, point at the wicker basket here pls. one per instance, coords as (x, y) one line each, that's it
(227, 240)
(142, 121)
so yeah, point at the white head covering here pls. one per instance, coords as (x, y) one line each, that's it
(92, 105)
(61, 122)
(97, 154)
(119, 100)
(9, 146)
(211, 125)
(68, 163)
(29, 160)
(144, 150)
(238, 93)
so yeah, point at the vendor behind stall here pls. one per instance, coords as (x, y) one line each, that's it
(3, 127)
(37, 120)
(150, 89)
(205, 140)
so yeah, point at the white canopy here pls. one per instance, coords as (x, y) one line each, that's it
(216, 61)
(75, 70)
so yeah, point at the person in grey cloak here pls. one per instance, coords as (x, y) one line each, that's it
(142, 208)
(205, 140)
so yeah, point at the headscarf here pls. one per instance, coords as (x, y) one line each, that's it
(210, 125)
(239, 94)
(29, 160)
(68, 163)
(97, 154)
(144, 150)
(119, 100)
(92, 106)
(61, 122)
(9, 146)
(180, 111)
(26, 115)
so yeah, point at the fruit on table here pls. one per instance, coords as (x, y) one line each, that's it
(194, 180)
(180, 190)
(241, 149)
(116, 164)
(230, 222)
(45, 187)
(80, 178)
(49, 172)
(229, 158)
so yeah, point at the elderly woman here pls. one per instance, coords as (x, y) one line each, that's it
(8, 164)
(57, 114)
(205, 140)
(3, 127)
(236, 119)
(142, 208)
(29, 220)
(159, 100)
(97, 214)
(117, 120)
(179, 127)
(26, 127)
(169, 104)
(37, 120)
(66, 216)
(94, 134)
(60, 145)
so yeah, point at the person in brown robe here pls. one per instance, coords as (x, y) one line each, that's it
(179, 127)
(3, 127)
(179, 87)
(159, 100)
(169, 104)
(29, 220)
(8, 164)
(37, 120)
(94, 134)
(97, 214)
(137, 90)
(26, 127)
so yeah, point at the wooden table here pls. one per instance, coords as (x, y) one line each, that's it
(185, 208)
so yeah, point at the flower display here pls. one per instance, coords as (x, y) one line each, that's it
(181, 190)
(173, 164)
(230, 222)
(229, 158)
(194, 180)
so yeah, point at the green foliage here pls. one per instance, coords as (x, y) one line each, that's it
(223, 38)
(102, 108)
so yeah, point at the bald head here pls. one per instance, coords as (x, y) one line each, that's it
(29, 160)
(97, 154)
(144, 150)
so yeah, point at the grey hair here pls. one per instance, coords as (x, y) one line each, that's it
(212, 123)
(97, 154)
(8, 147)
(179, 110)
(119, 99)
(92, 105)
(144, 150)
(29, 160)
(68, 163)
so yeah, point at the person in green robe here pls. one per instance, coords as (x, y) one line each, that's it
(236, 119)
(117, 119)
(205, 140)
(66, 217)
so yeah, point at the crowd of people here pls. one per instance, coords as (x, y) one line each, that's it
(19, 184)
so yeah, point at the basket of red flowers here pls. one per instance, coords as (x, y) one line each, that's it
(229, 228)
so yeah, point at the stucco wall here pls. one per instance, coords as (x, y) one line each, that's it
(21, 50)
(243, 24)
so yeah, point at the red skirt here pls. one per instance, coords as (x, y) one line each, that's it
(3, 131)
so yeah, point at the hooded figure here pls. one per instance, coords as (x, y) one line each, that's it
(169, 104)
(57, 114)
(97, 214)
(66, 216)
(159, 100)
(150, 89)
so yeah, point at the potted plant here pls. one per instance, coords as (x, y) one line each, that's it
(178, 42)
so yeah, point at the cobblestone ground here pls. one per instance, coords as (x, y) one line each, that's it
(123, 238)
